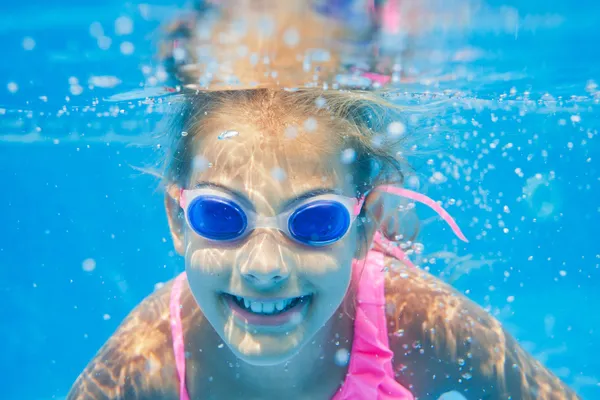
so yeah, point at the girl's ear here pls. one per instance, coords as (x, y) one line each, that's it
(174, 216)
(371, 217)
(401, 222)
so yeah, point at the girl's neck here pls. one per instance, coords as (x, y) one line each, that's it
(313, 368)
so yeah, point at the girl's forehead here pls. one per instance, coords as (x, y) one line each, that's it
(269, 162)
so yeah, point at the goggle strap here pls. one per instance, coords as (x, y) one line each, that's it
(181, 199)
(421, 198)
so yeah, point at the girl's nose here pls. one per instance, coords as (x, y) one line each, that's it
(264, 276)
(264, 265)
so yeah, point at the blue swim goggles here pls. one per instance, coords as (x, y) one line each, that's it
(319, 221)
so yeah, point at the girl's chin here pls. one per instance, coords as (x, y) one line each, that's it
(266, 350)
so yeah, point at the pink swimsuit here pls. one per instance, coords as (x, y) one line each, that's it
(370, 373)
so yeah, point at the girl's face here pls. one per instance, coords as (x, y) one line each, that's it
(267, 295)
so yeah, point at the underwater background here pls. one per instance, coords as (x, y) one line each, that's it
(509, 145)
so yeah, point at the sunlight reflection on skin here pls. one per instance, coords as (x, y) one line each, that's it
(259, 253)
(253, 344)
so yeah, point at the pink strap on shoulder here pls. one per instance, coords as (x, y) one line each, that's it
(177, 333)
(370, 372)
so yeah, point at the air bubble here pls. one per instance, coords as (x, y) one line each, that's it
(396, 129)
(348, 156)
(200, 163)
(438, 178)
(179, 54)
(127, 48)
(310, 124)
(88, 265)
(278, 174)
(320, 102)
(28, 43)
(123, 26)
(104, 81)
(228, 135)
(342, 356)
(76, 89)
(399, 333)
(104, 42)
(406, 207)
(291, 37)
(519, 172)
(96, 30)
(12, 87)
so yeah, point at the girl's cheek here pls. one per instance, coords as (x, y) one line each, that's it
(206, 261)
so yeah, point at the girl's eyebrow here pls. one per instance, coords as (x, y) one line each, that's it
(224, 188)
(306, 195)
(218, 186)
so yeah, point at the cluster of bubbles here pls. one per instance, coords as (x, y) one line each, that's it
(123, 26)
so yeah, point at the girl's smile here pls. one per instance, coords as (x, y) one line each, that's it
(281, 314)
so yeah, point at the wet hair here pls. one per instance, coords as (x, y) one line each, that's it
(262, 43)
(358, 120)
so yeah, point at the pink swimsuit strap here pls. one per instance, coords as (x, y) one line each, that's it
(177, 333)
(370, 372)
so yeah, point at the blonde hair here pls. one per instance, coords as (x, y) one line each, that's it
(359, 120)
(245, 44)
(224, 54)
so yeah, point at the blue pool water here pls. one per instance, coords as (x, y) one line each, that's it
(83, 236)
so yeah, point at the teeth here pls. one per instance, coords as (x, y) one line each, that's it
(264, 307)
(256, 306)
(280, 305)
(268, 308)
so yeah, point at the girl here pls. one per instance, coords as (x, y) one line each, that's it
(275, 200)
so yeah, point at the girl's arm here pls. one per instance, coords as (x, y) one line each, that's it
(444, 342)
(137, 361)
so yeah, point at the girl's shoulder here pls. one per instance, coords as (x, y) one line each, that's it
(137, 361)
(440, 338)
(425, 314)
